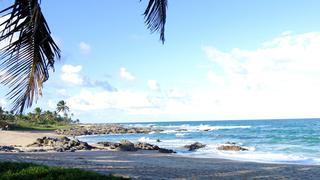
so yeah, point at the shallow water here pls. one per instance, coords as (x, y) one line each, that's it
(271, 141)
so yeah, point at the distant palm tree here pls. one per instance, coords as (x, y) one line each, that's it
(31, 51)
(62, 107)
(37, 113)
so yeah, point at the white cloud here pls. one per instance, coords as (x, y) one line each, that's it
(128, 101)
(70, 74)
(278, 79)
(51, 104)
(176, 93)
(84, 48)
(126, 75)
(215, 78)
(153, 85)
(62, 92)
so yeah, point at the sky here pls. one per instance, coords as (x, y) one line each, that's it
(222, 60)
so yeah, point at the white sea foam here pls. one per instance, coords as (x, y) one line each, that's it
(146, 140)
(211, 151)
(180, 134)
(188, 128)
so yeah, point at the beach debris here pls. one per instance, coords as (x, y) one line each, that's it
(195, 146)
(61, 144)
(104, 129)
(9, 149)
(163, 150)
(232, 148)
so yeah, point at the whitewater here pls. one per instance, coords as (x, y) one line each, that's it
(292, 141)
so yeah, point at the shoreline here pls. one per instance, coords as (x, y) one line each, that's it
(151, 165)
(146, 164)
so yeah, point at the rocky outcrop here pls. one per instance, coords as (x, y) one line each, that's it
(232, 148)
(195, 146)
(163, 150)
(61, 144)
(9, 149)
(146, 146)
(111, 145)
(126, 145)
(104, 129)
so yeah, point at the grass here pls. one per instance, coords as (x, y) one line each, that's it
(27, 126)
(29, 171)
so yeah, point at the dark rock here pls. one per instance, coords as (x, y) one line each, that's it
(146, 146)
(7, 148)
(102, 129)
(37, 150)
(61, 144)
(232, 148)
(163, 150)
(35, 144)
(158, 140)
(60, 149)
(126, 145)
(195, 146)
(39, 141)
(111, 145)
(231, 143)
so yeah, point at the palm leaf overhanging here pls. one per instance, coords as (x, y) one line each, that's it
(155, 16)
(31, 51)
(29, 54)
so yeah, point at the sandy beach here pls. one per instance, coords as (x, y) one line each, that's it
(150, 164)
(22, 138)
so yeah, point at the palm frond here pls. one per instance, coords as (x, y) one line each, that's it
(155, 16)
(29, 55)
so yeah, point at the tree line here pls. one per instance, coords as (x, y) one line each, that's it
(39, 116)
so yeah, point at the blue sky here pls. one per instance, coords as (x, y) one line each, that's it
(221, 60)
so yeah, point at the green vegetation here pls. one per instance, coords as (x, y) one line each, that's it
(26, 171)
(38, 119)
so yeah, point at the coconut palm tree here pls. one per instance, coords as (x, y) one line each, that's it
(37, 114)
(62, 107)
(32, 52)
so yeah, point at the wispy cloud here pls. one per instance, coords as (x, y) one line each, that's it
(126, 75)
(153, 85)
(84, 48)
(71, 74)
(105, 85)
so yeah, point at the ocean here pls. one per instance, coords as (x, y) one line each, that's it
(293, 141)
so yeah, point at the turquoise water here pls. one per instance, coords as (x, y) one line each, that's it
(271, 141)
